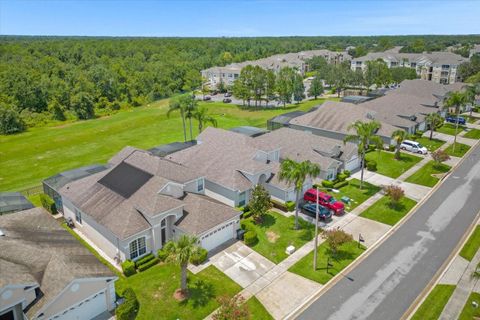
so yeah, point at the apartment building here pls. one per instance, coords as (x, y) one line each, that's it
(439, 67)
(229, 73)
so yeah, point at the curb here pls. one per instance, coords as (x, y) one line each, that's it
(364, 255)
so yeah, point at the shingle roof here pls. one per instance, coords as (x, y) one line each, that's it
(433, 57)
(36, 249)
(202, 213)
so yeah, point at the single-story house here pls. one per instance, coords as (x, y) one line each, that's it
(45, 273)
(141, 202)
(13, 201)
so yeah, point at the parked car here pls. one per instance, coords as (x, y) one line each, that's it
(310, 209)
(227, 100)
(453, 119)
(326, 200)
(227, 94)
(207, 98)
(214, 93)
(413, 146)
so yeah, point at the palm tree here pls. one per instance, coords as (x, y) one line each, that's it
(457, 100)
(180, 252)
(364, 135)
(398, 136)
(176, 105)
(190, 105)
(434, 120)
(202, 116)
(295, 173)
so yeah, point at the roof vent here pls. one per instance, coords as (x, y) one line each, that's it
(2, 234)
(371, 115)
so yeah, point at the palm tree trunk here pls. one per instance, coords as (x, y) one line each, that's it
(183, 281)
(191, 132)
(184, 127)
(363, 167)
(297, 206)
(431, 132)
(397, 152)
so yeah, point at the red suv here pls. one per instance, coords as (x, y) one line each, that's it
(325, 200)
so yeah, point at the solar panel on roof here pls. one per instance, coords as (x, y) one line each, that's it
(125, 179)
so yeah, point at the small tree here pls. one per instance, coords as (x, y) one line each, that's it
(434, 121)
(316, 87)
(259, 203)
(398, 136)
(335, 238)
(395, 193)
(440, 156)
(232, 309)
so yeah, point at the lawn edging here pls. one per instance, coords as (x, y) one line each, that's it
(292, 315)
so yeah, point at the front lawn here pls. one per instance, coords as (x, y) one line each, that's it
(431, 145)
(385, 212)
(257, 310)
(469, 312)
(357, 196)
(388, 166)
(471, 119)
(433, 305)
(345, 255)
(472, 245)
(155, 287)
(472, 134)
(460, 150)
(424, 175)
(449, 128)
(276, 233)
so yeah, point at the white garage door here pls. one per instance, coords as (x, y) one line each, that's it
(218, 236)
(87, 309)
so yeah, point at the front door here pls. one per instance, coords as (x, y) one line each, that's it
(164, 236)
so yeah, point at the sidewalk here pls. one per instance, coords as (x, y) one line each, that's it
(449, 139)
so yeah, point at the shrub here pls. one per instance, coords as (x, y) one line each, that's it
(144, 260)
(244, 225)
(10, 121)
(340, 184)
(341, 177)
(290, 205)
(440, 156)
(148, 264)
(250, 237)
(128, 309)
(233, 308)
(278, 205)
(395, 193)
(372, 165)
(247, 214)
(48, 203)
(335, 238)
(371, 147)
(391, 148)
(128, 267)
(347, 173)
(199, 257)
(327, 184)
(162, 255)
(306, 234)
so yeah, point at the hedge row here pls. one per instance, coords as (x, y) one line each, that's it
(48, 203)
(129, 308)
(144, 260)
(250, 238)
(199, 257)
(287, 206)
(128, 268)
(148, 264)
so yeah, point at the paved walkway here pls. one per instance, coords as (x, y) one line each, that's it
(449, 139)
(464, 287)
(415, 168)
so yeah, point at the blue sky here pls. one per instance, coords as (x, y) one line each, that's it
(238, 18)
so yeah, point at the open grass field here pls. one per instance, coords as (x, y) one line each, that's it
(389, 166)
(383, 211)
(433, 305)
(276, 233)
(28, 158)
(356, 195)
(424, 175)
(469, 312)
(460, 150)
(155, 287)
(472, 245)
(345, 255)
(431, 145)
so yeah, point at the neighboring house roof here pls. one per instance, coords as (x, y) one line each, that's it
(202, 213)
(13, 201)
(37, 250)
(428, 90)
(338, 116)
(249, 131)
(419, 58)
(287, 117)
(166, 149)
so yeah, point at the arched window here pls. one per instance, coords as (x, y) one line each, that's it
(137, 247)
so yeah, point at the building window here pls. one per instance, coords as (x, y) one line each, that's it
(137, 248)
(78, 216)
(200, 185)
(242, 199)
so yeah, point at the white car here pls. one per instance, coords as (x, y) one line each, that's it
(413, 146)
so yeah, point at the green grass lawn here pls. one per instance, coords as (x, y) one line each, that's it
(431, 145)
(471, 119)
(388, 166)
(35, 200)
(472, 245)
(346, 254)
(433, 305)
(383, 211)
(460, 150)
(257, 310)
(352, 190)
(155, 287)
(276, 233)
(28, 158)
(449, 128)
(424, 175)
(469, 312)
(472, 134)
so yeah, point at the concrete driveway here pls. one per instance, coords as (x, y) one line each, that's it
(242, 264)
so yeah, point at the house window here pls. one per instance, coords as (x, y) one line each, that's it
(78, 216)
(137, 248)
(200, 185)
(242, 199)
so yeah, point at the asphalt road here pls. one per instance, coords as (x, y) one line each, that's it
(385, 284)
